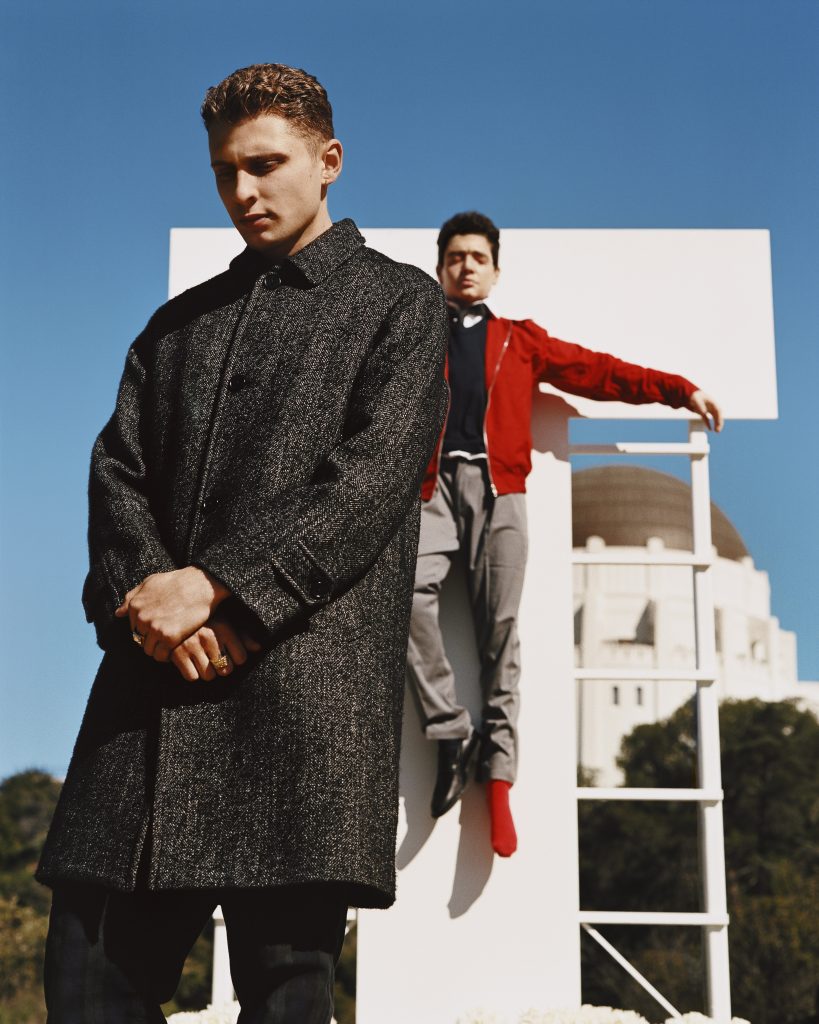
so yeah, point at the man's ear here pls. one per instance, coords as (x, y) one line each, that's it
(332, 158)
(438, 270)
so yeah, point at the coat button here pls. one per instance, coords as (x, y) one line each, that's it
(272, 279)
(210, 503)
(237, 382)
(318, 586)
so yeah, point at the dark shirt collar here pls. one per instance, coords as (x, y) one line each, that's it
(458, 312)
(315, 262)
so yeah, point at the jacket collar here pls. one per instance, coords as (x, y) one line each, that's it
(313, 264)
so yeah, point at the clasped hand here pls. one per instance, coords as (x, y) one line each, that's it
(176, 614)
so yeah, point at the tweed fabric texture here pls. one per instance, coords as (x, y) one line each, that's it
(271, 427)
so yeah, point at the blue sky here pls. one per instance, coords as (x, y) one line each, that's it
(575, 114)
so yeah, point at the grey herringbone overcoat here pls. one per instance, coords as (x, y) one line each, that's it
(271, 427)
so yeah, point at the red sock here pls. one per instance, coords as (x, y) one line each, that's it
(504, 837)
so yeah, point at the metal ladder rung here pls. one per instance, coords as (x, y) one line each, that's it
(642, 793)
(639, 448)
(617, 675)
(652, 918)
(671, 558)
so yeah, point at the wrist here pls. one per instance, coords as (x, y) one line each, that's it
(214, 590)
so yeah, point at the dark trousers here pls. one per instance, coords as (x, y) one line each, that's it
(113, 958)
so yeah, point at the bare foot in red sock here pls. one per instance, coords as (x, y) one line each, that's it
(504, 836)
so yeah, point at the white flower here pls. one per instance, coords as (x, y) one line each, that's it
(226, 1013)
(689, 1018)
(592, 1015)
(698, 1018)
(585, 1015)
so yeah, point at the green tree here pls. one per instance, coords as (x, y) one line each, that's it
(27, 802)
(645, 857)
(770, 755)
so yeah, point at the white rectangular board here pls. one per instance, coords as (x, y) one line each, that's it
(694, 302)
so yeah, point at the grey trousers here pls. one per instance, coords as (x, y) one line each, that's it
(491, 532)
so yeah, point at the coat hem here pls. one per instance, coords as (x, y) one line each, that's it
(362, 895)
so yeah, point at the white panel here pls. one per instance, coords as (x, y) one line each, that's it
(686, 301)
(200, 253)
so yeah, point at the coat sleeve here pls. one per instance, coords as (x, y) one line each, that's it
(123, 539)
(317, 539)
(599, 375)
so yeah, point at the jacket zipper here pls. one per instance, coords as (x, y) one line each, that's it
(486, 411)
(440, 449)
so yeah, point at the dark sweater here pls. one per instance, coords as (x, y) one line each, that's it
(467, 382)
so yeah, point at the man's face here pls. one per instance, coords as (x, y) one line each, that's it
(467, 273)
(273, 181)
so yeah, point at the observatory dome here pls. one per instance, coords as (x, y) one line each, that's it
(625, 505)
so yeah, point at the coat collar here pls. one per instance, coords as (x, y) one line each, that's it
(313, 264)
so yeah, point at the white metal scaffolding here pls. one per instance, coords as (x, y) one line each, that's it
(713, 918)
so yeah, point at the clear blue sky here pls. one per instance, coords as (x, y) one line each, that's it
(556, 113)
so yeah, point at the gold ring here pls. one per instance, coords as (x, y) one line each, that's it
(220, 663)
(138, 638)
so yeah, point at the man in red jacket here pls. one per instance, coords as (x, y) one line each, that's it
(474, 501)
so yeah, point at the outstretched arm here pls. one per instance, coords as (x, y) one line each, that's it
(604, 377)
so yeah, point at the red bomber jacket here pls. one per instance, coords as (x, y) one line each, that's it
(519, 355)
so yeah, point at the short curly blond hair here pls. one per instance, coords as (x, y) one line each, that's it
(271, 89)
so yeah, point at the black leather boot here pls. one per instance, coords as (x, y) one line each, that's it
(453, 768)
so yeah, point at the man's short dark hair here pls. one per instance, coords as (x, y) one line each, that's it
(271, 89)
(469, 223)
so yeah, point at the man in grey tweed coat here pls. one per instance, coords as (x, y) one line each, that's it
(254, 511)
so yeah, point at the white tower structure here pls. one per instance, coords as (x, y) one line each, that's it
(638, 616)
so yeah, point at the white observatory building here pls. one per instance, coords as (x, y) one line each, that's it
(641, 616)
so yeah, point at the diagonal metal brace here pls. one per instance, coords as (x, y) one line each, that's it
(632, 970)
